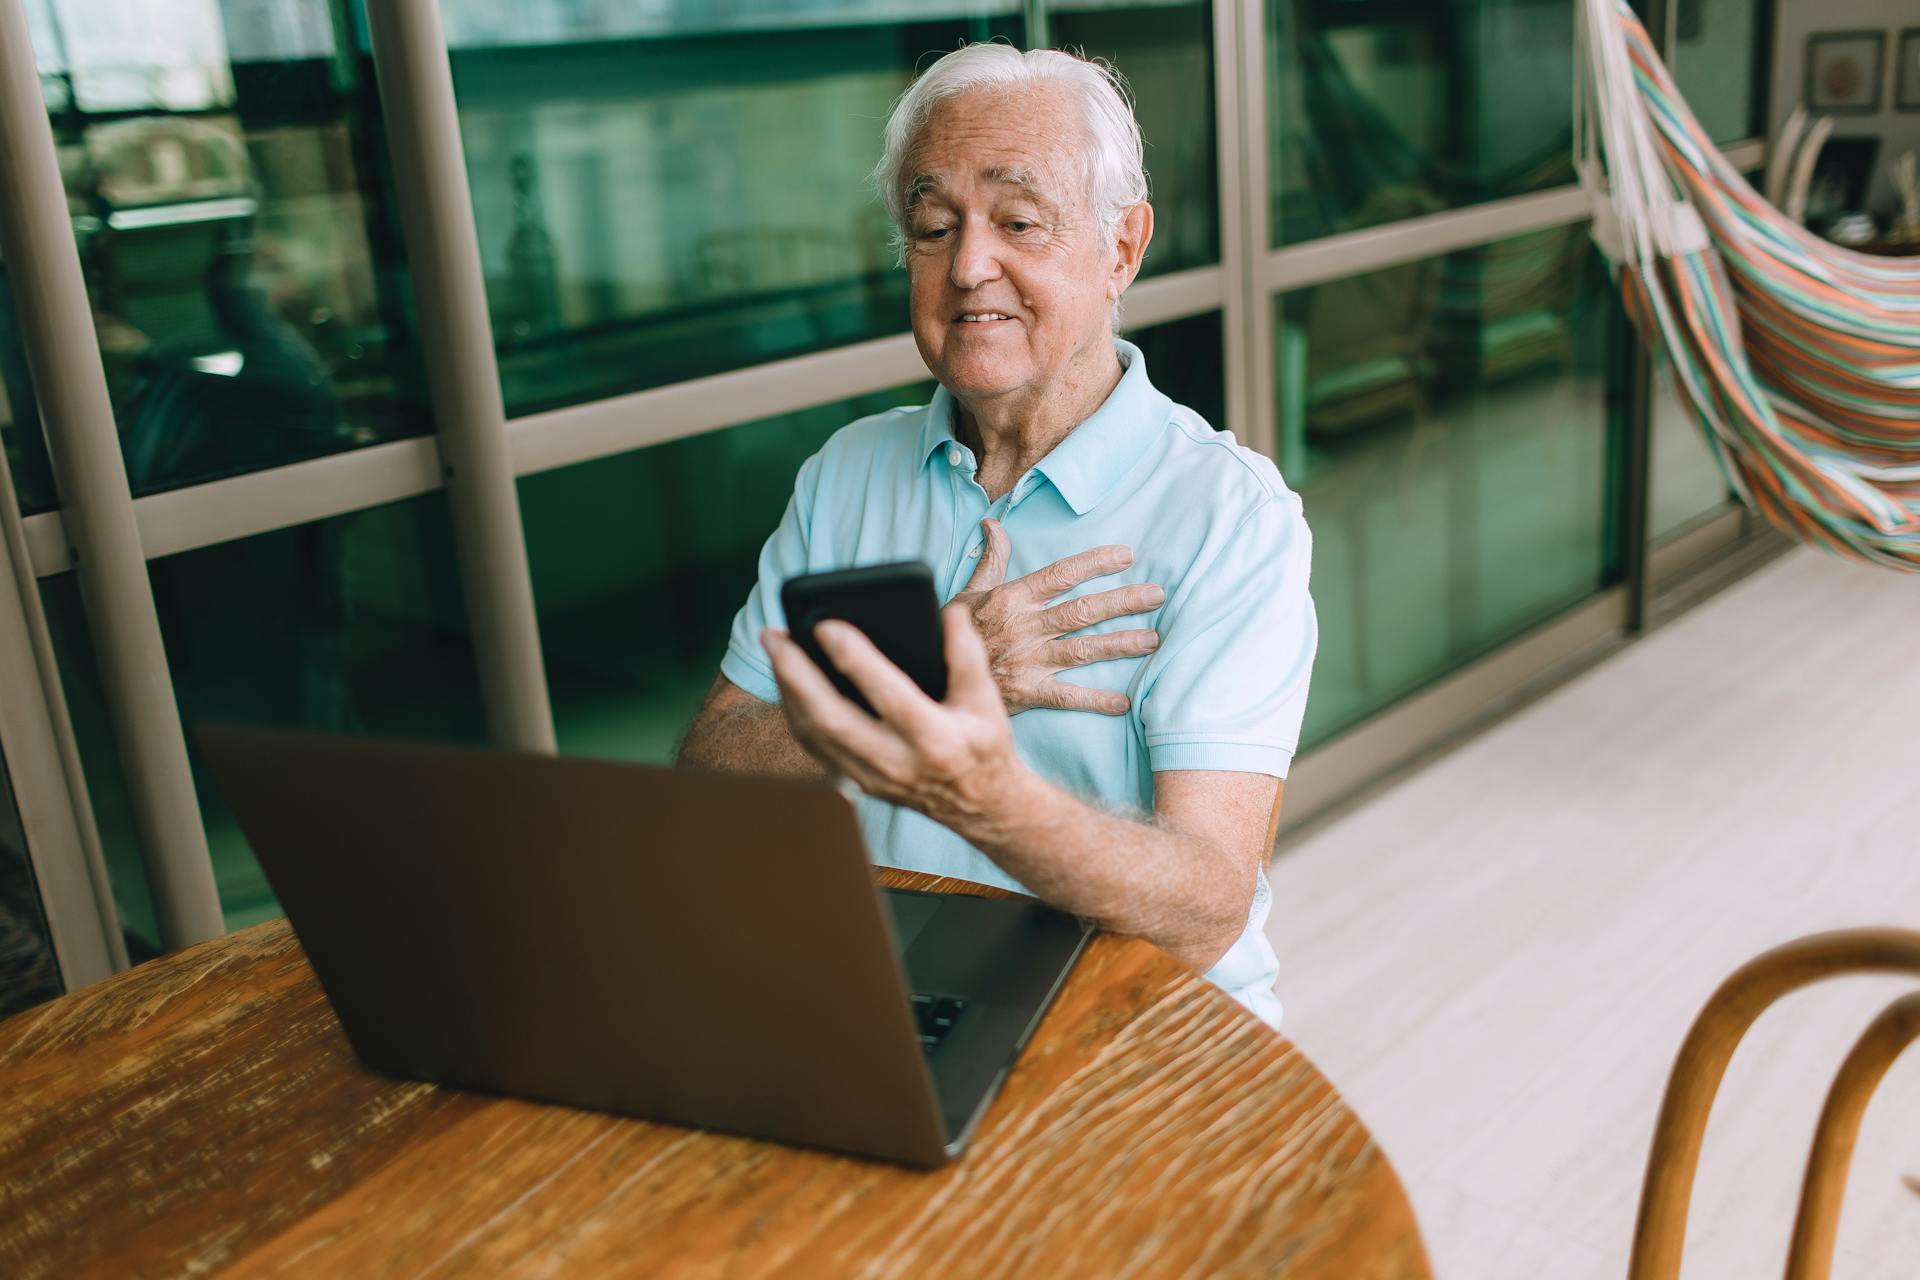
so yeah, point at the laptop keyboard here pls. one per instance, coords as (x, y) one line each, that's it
(936, 1015)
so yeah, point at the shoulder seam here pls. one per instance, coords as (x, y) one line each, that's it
(1222, 440)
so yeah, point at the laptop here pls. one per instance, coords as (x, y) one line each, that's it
(705, 949)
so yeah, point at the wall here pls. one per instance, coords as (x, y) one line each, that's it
(1795, 20)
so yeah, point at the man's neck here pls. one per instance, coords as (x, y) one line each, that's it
(1009, 434)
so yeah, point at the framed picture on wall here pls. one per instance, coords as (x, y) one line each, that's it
(1906, 79)
(1844, 71)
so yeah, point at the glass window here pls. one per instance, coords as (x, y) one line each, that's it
(641, 560)
(1165, 51)
(1450, 426)
(353, 624)
(1186, 359)
(28, 971)
(1721, 59)
(676, 190)
(1388, 109)
(20, 435)
(106, 781)
(1687, 482)
(222, 168)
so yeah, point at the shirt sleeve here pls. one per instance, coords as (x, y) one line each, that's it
(784, 555)
(1237, 646)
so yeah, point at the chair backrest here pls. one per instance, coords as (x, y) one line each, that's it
(1660, 1232)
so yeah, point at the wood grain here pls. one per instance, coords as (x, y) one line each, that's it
(203, 1114)
(1661, 1230)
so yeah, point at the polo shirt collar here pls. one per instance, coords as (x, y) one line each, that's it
(1086, 465)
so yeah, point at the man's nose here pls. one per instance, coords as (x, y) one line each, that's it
(975, 260)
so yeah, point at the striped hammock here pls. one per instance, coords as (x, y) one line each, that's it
(1798, 359)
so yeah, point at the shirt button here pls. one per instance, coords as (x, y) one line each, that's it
(954, 456)
(973, 554)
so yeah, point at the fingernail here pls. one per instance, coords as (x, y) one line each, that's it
(1153, 639)
(1155, 595)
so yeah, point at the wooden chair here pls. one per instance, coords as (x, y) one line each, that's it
(1660, 1233)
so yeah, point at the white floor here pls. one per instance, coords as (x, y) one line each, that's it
(1496, 960)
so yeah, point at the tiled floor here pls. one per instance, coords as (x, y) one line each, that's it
(1497, 959)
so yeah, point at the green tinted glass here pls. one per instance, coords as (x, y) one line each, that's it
(247, 283)
(641, 560)
(1165, 51)
(1186, 360)
(1720, 60)
(1380, 111)
(354, 624)
(1686, 482)
(1449, 424)
(28, 970)
(106, 781)
(20, 436)
(674, 191)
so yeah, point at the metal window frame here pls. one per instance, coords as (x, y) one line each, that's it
(41, 757)
(411, 63)
(105, 535)
(70, 383)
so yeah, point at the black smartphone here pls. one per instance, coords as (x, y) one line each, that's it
(894, 604)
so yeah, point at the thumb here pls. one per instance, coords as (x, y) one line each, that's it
(993, 560)
(968, 675)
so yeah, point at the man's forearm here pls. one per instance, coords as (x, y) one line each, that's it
(1181, 892)
(740, 734)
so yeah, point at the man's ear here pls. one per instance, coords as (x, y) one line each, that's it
(1130, 243)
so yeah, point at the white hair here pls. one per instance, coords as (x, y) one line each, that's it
(1115, 170)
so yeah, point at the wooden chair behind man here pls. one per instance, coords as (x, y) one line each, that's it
(1660, 1232)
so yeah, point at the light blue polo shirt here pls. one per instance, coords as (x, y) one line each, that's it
(1208, 520)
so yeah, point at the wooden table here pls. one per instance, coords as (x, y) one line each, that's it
(203, 1114)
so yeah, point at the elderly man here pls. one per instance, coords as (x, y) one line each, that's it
(1138, 792)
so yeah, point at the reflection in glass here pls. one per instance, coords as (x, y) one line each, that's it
(221, 165)
(679, 191)
(641, 560)
(1720, 58)
(1450, 425)
(1186, 360)
(1687, 482)
(354, 624)
(1165, 51)
(28, 971)
(1381, 111)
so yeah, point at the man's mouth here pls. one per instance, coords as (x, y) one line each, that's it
(983, 317)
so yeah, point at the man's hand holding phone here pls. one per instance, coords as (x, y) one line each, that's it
(913, 702)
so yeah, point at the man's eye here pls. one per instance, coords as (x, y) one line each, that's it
(932, 233)
(1019, 226)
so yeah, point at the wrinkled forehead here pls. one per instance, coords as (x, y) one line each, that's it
(989, 142)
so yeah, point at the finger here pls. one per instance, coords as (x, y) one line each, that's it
(850, 742)
(969, 678)
(1084, 611)
(1108, 646)
(828, 721)
(1061, 696)
(891, 691)
(993, 561)
(1069, 572)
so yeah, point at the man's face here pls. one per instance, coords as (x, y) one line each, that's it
(1010, 280)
